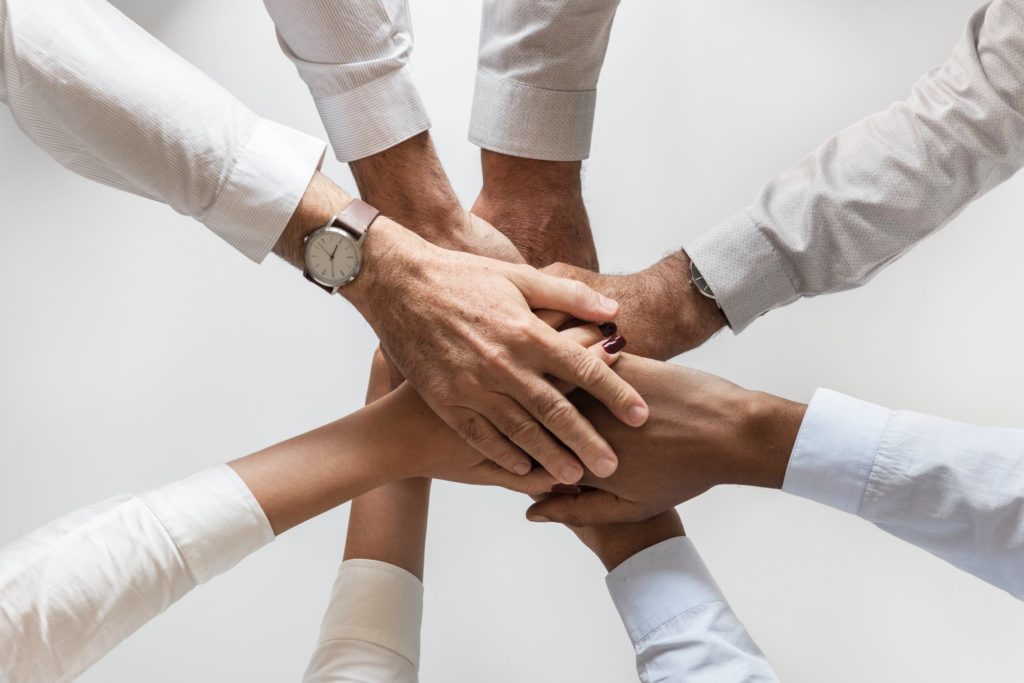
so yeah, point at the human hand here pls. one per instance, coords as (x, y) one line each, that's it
(429, 448)
(660, 309)
(539, 206)
(460, 328)
(703, 431)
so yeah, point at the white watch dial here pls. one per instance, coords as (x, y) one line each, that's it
(332, 256)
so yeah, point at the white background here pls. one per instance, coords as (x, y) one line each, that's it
(137, 348)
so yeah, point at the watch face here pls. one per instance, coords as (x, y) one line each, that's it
(332, 256)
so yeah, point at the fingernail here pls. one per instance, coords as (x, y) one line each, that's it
(614, 345)
(605, 467)
(637, 415)
(570, 474)
(608, 329)
(571, 489)
(522, 468)
(608, 304)
(537, 518)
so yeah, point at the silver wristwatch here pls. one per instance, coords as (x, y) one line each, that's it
(701, 284)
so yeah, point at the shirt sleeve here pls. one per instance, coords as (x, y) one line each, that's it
(537, 73)
(681, 626)
(110, 102)
(354, 56)
(876, 189)
(74, 589)
(371, 630)
(953, 489)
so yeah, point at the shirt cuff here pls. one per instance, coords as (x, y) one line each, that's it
(378, 603)
(743, 270)
(660, 583)
(213, 519)
(264, 187)
(373, 117)
(534, 123)
(835, 450)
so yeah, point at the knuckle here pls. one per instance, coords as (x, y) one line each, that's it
(559, 412)
(525, 433)
(470, 429)
(589, 370)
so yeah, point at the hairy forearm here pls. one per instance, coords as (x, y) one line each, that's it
(539, 206)
(408, 183)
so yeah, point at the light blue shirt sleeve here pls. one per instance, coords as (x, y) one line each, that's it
(680, 624)
(953, 489)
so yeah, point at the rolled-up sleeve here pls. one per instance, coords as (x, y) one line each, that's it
(354, 57)
(537, 74)
(371, 629)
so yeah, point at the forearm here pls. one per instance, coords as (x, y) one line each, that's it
(389, 524)
(878, 188)
(539, 206)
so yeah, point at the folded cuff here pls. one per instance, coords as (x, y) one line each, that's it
(264, 188)
(660, 583)
(378, 603)
(835, 450)
(373, 117)
(743, 270)
(213, 519)
(534, 123)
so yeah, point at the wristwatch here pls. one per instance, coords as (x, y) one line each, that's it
(701, 284)
(333, 254)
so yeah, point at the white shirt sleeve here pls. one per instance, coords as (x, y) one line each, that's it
(876, 189)
(537, 73)
(110, 102)
(74, 589)
(953, 489)
(371, 631)
(354, 56)
(681, 626)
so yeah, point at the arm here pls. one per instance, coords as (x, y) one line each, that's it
(676, 616)
(79, 80)
(876, 189)
(953, 489)
(74, 589)
(533, 114)
(371, 628)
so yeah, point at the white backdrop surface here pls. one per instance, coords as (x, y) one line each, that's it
(137, 348)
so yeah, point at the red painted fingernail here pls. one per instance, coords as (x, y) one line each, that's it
(608, 329)
(565, 488)
(614, 345)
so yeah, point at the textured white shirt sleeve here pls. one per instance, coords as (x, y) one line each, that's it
(371, 631)
(354, 56)
(536, 83)
(681, 626)
(110, 102)
(876, 189)
(954, 489)
(74, 589)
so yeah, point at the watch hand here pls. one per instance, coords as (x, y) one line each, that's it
(335, 250)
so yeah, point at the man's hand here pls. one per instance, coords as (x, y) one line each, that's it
(460, 328)
(429, 448)
(539, 206)
(703, 431)
(661, 312)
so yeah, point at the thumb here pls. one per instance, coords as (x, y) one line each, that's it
(561, 294)
(586, 509)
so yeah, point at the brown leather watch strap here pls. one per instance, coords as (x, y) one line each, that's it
(357, 217)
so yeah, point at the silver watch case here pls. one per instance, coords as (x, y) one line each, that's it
(335, 227)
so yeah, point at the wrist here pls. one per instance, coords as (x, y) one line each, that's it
(771, 425)
(693, 318)
(321, 202)
(389, 250)
(614, 544)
